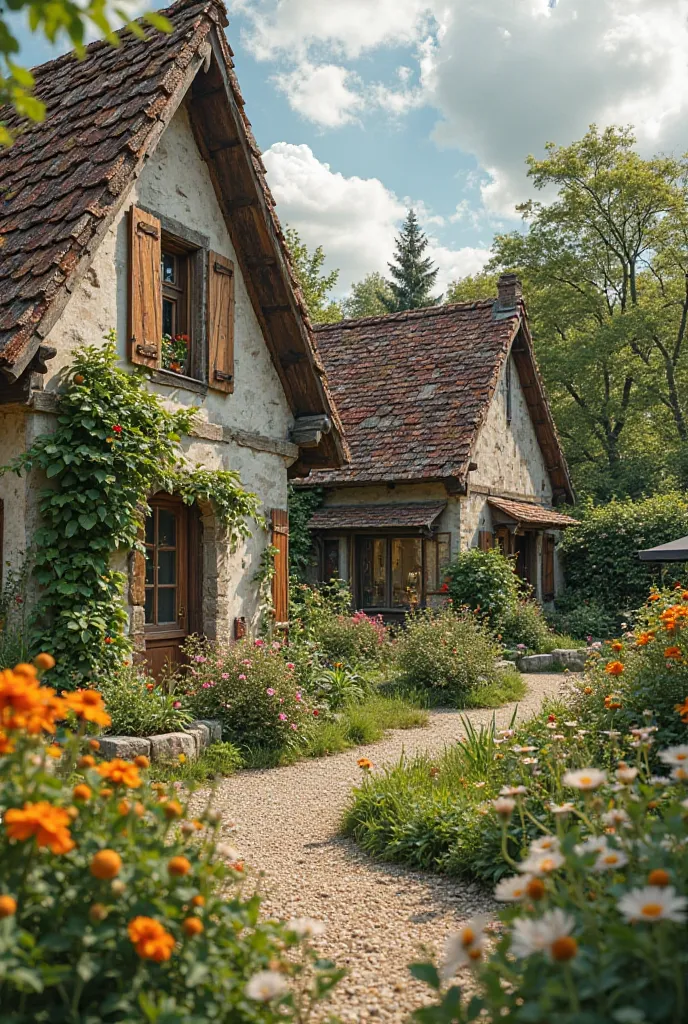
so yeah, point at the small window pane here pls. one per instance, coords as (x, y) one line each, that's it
(169, 309)
(373, 573)
(406, 572)
(150, 568)
(150, 528)
(431, 582)
(167, 605)
(149, 604)
(331, 559)
(167, 534)
(167, 567)
(169, 268)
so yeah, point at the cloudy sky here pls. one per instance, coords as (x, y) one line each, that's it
(364, 107)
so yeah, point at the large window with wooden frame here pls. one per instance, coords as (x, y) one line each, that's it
(399, 573)
(181, 304)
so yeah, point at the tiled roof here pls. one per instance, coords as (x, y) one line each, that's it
(412, 388)
(65, 179)
(524, 512)
(361, 517)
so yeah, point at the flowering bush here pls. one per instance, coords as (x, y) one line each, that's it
(640, 677)
(250, 687)
(525, 624)
(448, 654)
(109, 911)
(321, 620)
(484, 581)
(595, 929)
(139, 707)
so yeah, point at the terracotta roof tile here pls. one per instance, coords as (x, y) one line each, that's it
(525, 512)
(413, 388)
(362, 517)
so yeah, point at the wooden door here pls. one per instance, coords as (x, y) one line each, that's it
(167, 582)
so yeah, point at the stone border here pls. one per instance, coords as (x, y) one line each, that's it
(191, 742)
(573, 659)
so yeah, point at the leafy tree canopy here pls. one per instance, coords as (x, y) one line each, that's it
(473, 288)
(368, 297)
(413, 274)
(315, 285)
(53, 19)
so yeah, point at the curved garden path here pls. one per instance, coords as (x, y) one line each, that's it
(378, 915)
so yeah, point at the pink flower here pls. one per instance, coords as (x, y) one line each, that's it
(177, 704)
(282, 717)
(259, 643)
(200, 658)
(225, 675)
(291, 666)
(294, 726)
(247, 661)
(297, 695)
(276, 645)
(242, 677)
(281, 700)
(270, 692)
(206, 686)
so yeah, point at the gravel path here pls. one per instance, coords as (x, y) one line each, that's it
(378, 916)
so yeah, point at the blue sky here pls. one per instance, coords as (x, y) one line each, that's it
(364, 106)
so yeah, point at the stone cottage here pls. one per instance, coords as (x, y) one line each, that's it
(141, 204)
(452, 446)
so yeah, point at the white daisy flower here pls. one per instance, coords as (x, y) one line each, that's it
(512, 889)
(542, 863)
(463, 947)
(306, 927)
(586, 779)
(546, 844)
(506, 733)
(570, 725)
(562, 810)
(677, 755)
(549, 934)
(610, 860)
(265, 986)
(558, 736)
(227, 852)
(513, 791)
(617, 816)
(504, 806)
(680, 774)
(653, 903)
(626, 775)
(593, 844)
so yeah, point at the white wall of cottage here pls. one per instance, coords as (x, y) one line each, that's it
(174, 182)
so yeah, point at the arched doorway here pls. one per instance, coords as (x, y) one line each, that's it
(173, 579)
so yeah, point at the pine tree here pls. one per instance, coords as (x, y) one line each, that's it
(413, 275)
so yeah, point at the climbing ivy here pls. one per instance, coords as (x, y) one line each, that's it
(115, 443)
(303, 501)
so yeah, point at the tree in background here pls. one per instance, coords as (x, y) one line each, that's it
(413, 274)
(473, 288)
(53, 19)
(315, 285)
(604, 274)
(368, 297)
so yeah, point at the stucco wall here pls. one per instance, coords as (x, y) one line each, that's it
(176, 183)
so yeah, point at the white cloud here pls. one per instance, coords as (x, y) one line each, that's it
(354, 219)
(322, 94)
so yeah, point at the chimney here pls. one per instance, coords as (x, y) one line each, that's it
(509, 291)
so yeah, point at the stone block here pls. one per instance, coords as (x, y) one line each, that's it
(201, 735)
(170, 745)
(573, 659)
(535, 663)
(214, 727)
(126, 747)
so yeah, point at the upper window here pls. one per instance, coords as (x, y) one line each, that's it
(181, 304)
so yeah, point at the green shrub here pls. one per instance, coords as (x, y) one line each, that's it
(217, 760)
(508, 686)
(138, 707)
(450, 655)
(524, 623)
(582, 618)
(250, 687)
(352, 640)
(114, 906)
(484, 581)
(600, 554)
(302, 504)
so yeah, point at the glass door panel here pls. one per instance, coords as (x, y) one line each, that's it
(407, 572)
(373, 563)
(162, 567)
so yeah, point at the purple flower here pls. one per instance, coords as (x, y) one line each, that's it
(270, 692)
(242, 677)
(520, 647)
(282, 717)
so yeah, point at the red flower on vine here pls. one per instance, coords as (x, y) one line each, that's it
(117, 429)
(107, 640)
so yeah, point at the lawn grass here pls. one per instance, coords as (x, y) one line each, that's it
(508, 687)
(561, 642)
(217, 760)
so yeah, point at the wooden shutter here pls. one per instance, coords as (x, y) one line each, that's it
(548, 567)
(485, 540)
(221, 322)
(145, 295)
(280, 581)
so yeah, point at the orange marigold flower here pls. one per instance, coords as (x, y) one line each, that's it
(179, 866)
(364, 763)
(25, 704)
(617, 646)
(121, 773)
(6, 744)
(198, 900)
(653, 597)
(587, 690)
(54, 750)
(44, 661)
(8, 906)
(141, 761)
(82, 792)
(644, 639)
(87, 761)
(173, 809)
(192, 926)
(105, 793)
(105, 864)
(672, 652)
(682, 710)
(684, 595)
(48, 824)
(614, 668)
(94, 744)
(151, 940)
(89, 706)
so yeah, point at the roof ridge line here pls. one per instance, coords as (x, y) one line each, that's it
(407, 314)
